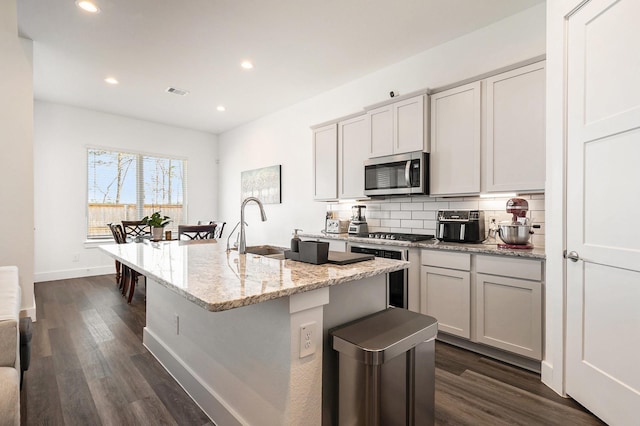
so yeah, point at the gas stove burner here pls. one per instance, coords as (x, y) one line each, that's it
(399, 236)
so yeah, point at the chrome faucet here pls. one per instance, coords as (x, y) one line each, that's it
(242, 248)
(235, 243)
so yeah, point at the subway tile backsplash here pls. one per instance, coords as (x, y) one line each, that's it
(418, 214)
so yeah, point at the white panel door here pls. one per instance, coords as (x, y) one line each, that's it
(603, 200)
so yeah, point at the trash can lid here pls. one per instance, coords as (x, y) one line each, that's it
(384, 335)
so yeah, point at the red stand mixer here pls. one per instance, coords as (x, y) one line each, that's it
(515, 234)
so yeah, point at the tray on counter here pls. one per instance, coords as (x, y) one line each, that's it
(335, 257)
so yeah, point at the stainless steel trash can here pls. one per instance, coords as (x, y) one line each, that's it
(386, 369)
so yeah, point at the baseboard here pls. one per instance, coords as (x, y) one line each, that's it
(509, 358)
(29, 311)
(205, 397)
(73, 273)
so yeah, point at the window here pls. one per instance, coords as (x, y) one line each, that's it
(128, 186)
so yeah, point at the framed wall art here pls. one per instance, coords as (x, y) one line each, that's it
(264, 184)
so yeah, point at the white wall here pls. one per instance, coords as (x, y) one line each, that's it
(285, 138)
(62, 134)
(16, 146)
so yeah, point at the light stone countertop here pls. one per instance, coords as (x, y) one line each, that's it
(216, 280)
(480, 248)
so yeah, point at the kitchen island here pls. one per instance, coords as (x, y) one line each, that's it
(247, 335)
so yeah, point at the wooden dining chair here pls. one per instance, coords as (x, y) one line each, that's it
(196, 232)
(219, 228)
(135, 229)
(129, 276)
(117, 233)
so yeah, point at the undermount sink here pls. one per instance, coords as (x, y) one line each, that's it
(273, 252)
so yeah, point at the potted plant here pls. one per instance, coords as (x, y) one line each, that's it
(157, 222)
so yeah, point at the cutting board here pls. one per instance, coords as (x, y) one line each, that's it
(343, 258)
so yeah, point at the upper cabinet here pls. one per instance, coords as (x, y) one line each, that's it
(352, 152)
(339, 151)
(489, 135)
(398, 127)
(515, 130)
(455, 141)
(325, 162)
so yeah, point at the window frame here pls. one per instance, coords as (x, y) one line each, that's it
(139, 179)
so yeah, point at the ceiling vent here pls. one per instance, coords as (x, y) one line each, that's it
(177, 91)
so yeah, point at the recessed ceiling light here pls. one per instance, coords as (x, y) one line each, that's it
(88, 6)
(221, 108)
(111, 80)
(247, 65)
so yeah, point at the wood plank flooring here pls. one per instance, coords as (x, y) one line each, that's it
(89, 367)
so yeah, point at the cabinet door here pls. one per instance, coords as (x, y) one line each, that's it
(455, 141)
(325, 162)
(445, 294)
(352, 151)
(509, 314)
(515, 138)
(380, 131)
(409, 125)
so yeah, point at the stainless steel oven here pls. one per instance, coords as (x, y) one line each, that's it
(397, 282)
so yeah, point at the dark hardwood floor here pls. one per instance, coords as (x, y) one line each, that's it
(89, 367)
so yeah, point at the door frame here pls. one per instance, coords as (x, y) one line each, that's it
(554, 358)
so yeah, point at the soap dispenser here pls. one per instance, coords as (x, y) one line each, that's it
(295, 241)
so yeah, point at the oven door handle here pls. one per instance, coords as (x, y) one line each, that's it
(407, 173)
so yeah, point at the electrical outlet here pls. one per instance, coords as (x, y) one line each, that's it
(308, 333)
(176, 322)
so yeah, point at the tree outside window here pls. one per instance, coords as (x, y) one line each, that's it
(129, 186)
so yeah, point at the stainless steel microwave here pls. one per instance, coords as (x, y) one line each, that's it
(397, 174)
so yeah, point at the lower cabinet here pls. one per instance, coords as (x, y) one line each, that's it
(446, 295)
(492, 300)
(445, 290)
(509, 314)
(334, 245)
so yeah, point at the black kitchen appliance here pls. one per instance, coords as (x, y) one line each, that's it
(460, 226)
(402, 174)
(397, 281)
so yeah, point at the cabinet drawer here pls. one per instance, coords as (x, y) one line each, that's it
(446, 259)
(510, 267)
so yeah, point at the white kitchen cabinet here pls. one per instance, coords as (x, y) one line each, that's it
(325, 162)
(398, 127)
(492, 300)
(455, 141)
(334, 245)
(352, 152)
(509, 314)
(508, 303)
(515, 130)
(445, 293)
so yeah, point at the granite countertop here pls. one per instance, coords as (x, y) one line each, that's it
(480, 248)
(210, 277)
